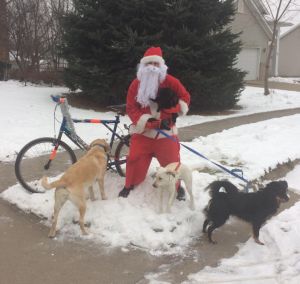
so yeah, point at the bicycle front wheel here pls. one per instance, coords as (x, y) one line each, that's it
(38, 158)
(121, 154)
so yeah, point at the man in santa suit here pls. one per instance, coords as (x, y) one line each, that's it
(146, 142)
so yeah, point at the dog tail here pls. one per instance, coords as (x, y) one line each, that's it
(217, 185)
(51, 185)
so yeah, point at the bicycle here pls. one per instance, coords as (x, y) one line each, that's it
(52, 156)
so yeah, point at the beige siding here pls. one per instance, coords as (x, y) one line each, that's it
(252, 35)
(289, 54)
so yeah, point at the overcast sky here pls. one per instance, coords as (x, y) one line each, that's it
(291, 16)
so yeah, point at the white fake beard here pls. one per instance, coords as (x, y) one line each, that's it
(150, 78)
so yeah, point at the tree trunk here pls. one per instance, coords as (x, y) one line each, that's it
(4, 49)
(268, 60)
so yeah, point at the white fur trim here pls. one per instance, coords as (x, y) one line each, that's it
(140, 126)
(152, 58)
(183, 108)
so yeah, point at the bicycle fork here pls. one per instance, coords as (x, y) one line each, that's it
(54, 151)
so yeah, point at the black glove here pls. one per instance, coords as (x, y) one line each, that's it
(165, 124)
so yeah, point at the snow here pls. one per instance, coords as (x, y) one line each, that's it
(290, 80)
(278, 261)
(134, 222)
(29, 113)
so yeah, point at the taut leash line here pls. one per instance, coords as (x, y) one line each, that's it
(232, 172)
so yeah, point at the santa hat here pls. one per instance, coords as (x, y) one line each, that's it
(153, 54)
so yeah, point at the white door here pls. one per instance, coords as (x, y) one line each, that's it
(248, 60)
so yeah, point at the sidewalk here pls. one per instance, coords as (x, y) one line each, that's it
(29, 256)
(204, 129)
(275, 85)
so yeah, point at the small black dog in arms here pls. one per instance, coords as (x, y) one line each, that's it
(166, 98)
(254, 207)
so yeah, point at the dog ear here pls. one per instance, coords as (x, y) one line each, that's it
(172, 173)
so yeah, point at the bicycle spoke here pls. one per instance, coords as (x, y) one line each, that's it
(121, 154)
(34, 157)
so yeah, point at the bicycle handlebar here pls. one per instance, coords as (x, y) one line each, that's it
(119, 109)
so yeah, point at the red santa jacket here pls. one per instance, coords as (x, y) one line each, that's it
(139, 115)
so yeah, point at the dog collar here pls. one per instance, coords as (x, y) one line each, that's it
(100, 145)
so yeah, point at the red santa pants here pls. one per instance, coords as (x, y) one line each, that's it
(142, 150)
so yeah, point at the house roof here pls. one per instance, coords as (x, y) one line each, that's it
(259, 10)
(290, 30)
(261, 7)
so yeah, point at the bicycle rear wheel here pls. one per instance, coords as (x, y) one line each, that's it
(33, 162)
(121, 154)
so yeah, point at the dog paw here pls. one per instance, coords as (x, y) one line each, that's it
(211, 241)
(259, 242)
(51, 235)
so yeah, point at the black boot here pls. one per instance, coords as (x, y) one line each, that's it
(180, 194)
(125, 191)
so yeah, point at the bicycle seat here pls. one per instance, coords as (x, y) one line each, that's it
(119, 109)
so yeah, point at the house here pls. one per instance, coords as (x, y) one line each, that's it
(289, 58)
(255, 36)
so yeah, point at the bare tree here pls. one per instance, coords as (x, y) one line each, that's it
(35, 32)
(278, 11)
(58, 9)
(27, 29)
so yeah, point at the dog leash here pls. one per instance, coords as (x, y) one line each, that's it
(233, 172)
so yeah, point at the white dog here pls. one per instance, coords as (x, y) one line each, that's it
(166, 179)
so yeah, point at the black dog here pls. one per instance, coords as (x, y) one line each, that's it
(166, 98)
(254, 207)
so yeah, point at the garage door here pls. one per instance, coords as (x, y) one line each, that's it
(248, 60)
